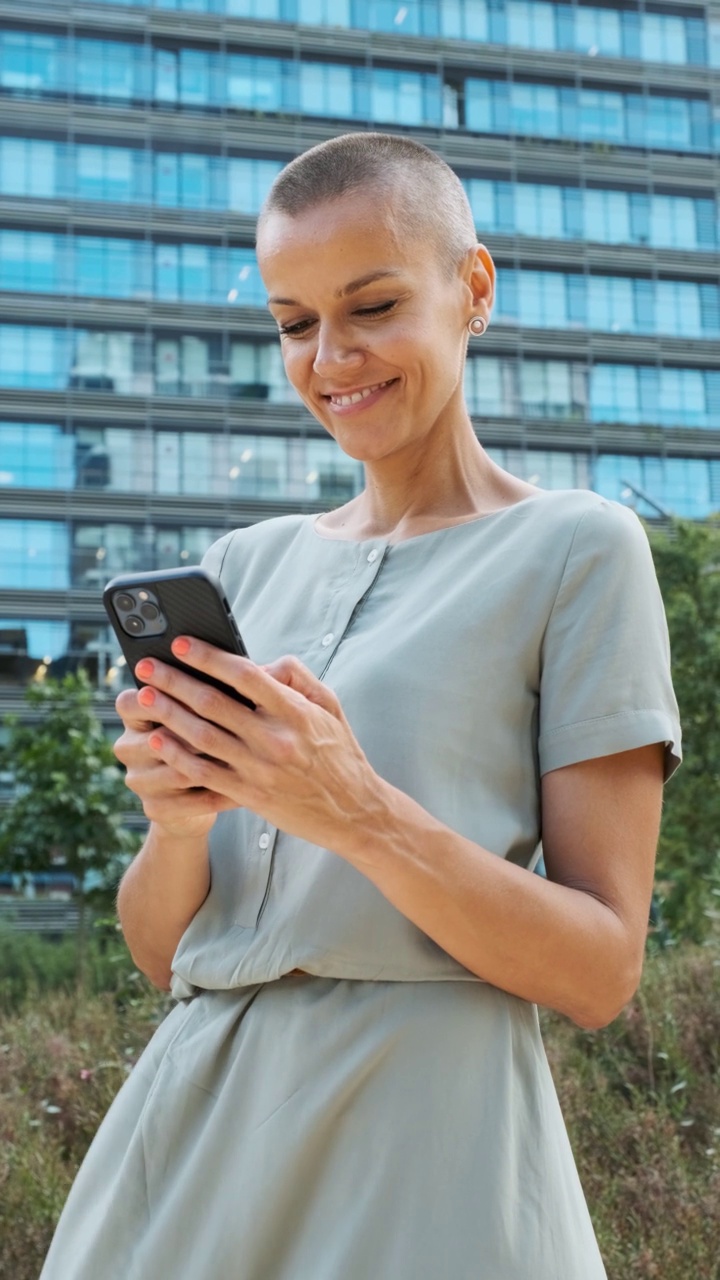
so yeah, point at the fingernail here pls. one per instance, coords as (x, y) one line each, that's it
(181, 646)
(155, 741)
(144, 669)
(146, 697)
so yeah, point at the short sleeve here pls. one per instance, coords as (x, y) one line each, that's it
(605, 682)
(215, 554)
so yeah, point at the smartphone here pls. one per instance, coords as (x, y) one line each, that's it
(149, 610)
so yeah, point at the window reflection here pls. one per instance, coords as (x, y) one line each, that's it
(631, 394)
(41, 456)
(142, 364)
(100, 266)
(614, 33)
(123, 72)
(32, 649)
(104, 266)
(34, 167)
(615, 304)
(229, 464)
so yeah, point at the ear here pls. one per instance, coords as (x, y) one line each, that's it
(479, 278)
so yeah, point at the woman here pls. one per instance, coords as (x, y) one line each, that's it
(337, 886)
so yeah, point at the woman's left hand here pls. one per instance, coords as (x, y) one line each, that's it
(294, 759)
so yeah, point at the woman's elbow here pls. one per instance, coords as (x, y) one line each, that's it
(606, 998)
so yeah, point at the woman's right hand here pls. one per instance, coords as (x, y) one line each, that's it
(169, 800)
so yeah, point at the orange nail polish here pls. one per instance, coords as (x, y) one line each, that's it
(181, 646)
(155, 742)
(144, 669)
(146, 697)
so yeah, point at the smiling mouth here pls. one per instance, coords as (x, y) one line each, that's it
(354, 397)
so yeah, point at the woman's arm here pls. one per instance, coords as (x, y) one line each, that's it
(169, 878)
(573, 942)
(162, 889)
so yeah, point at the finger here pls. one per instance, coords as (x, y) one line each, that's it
(291, 672)
(157, 779)
(240, 673)
(200, 732)
(192, 804)
(131, 711)
(196, 695)
(201, 771)
(132, 750)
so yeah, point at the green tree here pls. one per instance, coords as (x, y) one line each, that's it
(687, 559)
(70, 796)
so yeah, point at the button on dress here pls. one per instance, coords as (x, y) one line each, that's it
(391, 1116)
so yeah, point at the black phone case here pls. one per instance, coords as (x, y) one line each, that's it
(194, 604)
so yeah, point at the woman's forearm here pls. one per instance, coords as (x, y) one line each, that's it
(161, 891)
(555, 944)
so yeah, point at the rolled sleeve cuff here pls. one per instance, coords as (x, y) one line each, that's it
(607, 735)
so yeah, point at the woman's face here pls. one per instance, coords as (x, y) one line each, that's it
(373, 332)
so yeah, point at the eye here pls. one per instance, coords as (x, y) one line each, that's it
(294, 330)
(381, 309)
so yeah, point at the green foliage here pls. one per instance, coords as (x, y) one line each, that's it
(31, 964)
(71, 797)
(688, 566)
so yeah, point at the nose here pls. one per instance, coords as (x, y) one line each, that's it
(335, 352)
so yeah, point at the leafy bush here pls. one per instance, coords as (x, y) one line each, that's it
(687, 561)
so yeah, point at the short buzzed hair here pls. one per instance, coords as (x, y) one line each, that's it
(426, 192)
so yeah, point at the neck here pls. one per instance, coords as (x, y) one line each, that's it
(449, 480)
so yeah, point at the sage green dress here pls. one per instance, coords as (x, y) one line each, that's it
(392, 1117)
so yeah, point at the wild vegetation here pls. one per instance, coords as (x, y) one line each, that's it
(641, 1100)
(687, 559)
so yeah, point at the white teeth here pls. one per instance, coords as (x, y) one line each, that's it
(357, 396)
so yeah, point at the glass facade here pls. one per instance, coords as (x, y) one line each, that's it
(145, 408)
(228, 464)
(142, 364)
(96, 266)
(193, 180)
(613, 33)
(202, 366)
(114, 267)
(605, 215)
(113, 71)
(131, 175)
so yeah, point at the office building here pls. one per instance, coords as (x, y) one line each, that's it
(143, 405)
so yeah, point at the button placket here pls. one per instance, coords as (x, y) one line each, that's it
(367, 567)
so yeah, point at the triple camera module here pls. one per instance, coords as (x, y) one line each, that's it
(139, 613)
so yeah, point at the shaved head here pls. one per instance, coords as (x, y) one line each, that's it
(421, 193)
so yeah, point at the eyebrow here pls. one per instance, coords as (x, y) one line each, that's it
(353, 287)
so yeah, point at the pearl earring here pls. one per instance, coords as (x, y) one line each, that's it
(476, 327)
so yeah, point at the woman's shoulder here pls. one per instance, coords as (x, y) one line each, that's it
(568, 505)
(250, 543)
(571, 518)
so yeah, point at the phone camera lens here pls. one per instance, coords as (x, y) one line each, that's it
(124, 602)
(150, 612)
(134, 625)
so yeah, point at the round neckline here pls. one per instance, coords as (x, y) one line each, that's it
(430, 533)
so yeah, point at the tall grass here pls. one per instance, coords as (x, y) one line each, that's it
(642, 1103)
(641, 1099)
